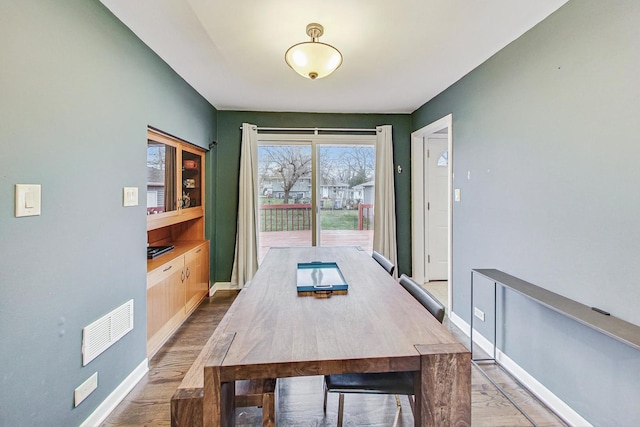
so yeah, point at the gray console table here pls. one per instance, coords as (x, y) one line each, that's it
(616, 328)
(594, 318)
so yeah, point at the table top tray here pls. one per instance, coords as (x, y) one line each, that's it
(320, 277)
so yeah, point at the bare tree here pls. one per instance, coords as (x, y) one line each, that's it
(357, 165)
(330, 167)
(288, 163)
(351, 165)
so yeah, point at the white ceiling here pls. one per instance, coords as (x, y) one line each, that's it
(397, 54)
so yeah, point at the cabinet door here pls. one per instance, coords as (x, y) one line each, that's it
(192, 182)
(197, 275)
(165, 300)
(162, 177)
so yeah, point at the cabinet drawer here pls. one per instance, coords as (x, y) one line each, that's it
(193, 254)
(164, 271)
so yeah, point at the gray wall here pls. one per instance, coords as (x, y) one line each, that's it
(78, 90)
(548, 129)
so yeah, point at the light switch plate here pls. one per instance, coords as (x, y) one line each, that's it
(456, 195)
(130, 195)
(28, 200)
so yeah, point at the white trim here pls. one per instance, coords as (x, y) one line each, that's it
(417, 190)
(417, 208)
(461, 324)
(109, 404)
(556, 404)
(219, 286)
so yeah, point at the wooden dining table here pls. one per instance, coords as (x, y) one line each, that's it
(272, 332)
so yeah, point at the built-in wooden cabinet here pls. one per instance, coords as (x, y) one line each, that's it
(178, 280)
(175, 181)
(176, 283)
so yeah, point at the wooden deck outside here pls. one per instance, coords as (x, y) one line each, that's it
(362, 238)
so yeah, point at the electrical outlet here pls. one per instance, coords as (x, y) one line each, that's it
(85, 389)
(478, 313)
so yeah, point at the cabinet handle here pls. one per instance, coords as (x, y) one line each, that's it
(188, 272)
(167, 269)
(182, 276)
(198, 251)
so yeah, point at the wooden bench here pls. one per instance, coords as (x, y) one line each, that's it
(186, 402)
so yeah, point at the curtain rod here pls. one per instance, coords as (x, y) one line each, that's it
(316, 130)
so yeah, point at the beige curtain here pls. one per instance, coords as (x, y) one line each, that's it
(384, 209)
(245, 263)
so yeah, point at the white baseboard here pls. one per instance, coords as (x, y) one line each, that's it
(541, 392)
(219, 286)
(556, 404)
(461, 324)
(109, 404)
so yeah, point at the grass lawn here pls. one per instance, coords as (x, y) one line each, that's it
(339, 219)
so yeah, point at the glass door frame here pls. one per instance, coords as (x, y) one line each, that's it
(315, 140)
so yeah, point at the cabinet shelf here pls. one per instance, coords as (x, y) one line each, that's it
(180, 248)
(157, 221)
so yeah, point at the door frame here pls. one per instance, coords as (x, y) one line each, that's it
(418, 232)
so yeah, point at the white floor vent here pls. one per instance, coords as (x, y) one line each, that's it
(104, 332)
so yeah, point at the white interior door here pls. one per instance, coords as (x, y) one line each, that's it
(437, 214)
(420, 242)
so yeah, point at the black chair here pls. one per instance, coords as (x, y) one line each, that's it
(425, 298)
(398, 383)
(384, 262)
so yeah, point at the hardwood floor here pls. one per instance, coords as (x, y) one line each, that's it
(300, 399)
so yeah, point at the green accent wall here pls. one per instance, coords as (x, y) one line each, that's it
(78, 90)
(226, 161)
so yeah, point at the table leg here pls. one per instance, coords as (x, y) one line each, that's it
(443, 392)
(218, 402)
(218, 405)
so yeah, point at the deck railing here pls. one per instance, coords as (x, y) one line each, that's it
(297, 216)
(285, 217)
(365, 216)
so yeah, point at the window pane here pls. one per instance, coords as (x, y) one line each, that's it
(443, 160)
(285, 196)
(345, 195)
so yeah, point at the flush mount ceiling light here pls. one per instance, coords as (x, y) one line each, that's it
(313, 60)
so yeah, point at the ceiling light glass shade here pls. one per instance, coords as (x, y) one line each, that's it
(313, 59)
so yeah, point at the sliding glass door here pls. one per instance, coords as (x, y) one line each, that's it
(345, 195)
(316, 190)
(285, 186)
